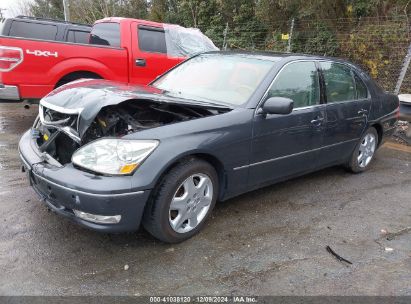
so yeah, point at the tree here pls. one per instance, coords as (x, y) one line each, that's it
(47, 9)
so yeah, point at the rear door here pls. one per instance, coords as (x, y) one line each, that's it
(284, 145)
(348, 105)
(149, 51)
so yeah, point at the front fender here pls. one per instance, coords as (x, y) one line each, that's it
(228, 142)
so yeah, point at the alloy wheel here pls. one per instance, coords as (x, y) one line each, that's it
(190, 203)
(366, 150)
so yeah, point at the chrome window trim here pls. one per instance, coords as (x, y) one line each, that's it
(346, 101)
(308, 107)
(291, 155)
(275, 78)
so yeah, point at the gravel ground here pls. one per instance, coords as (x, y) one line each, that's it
(267, 242)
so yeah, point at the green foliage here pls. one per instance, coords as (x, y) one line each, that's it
(132, 9)
(380, 51)
(47, 9)
(247, 31)
(321, 41)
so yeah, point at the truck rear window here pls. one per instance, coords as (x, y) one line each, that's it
(33, 30)
(107, 33)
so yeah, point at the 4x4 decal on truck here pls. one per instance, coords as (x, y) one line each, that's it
(42, 53)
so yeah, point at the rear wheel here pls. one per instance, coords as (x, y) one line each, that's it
(364, 151)
(182, 201)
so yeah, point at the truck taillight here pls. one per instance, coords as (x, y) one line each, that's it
(10, 57)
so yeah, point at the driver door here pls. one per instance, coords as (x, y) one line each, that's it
(150, 58)
(284, 145)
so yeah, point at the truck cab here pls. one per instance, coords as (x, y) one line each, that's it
(126, 50)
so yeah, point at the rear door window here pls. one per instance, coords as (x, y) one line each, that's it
(33, 30)
(339, 82)
(107, 33)
(151, 39)
(78, 36)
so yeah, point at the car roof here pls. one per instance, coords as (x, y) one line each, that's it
(276, 56)
(283, 58)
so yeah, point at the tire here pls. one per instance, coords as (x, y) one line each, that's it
(179, 207)
(75, 76)
(367, 147)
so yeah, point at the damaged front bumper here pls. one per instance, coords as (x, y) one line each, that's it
(103, 203)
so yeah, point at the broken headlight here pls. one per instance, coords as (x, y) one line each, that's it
(113, 156)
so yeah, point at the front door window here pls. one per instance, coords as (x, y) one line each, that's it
(298, 81)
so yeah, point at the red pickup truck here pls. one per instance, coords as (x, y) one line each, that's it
(121, 49)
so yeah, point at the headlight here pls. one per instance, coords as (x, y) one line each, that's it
(114, 156)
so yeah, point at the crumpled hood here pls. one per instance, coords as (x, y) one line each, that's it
(88, 97)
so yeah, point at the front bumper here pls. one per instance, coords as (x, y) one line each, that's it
(66, 189)
(8, 92)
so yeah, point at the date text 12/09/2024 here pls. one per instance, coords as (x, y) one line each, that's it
(204, 299)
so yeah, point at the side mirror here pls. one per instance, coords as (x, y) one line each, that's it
(278, 105)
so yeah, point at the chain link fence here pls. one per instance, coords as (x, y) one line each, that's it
(377, 44)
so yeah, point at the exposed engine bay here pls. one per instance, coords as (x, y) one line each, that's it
(57, 133)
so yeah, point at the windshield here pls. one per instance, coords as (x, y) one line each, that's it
(223, 79)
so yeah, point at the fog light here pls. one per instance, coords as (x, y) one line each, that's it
(100, 219)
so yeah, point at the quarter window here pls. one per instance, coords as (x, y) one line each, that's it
(298, 81)
(339, 82)
(152, 40)
(362, 92)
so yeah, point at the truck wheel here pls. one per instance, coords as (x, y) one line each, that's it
(364, 151)
(182, 201)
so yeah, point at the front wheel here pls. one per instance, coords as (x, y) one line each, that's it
(364, 151)
(182, 201)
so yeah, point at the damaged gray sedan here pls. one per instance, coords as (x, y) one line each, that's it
(111, 156)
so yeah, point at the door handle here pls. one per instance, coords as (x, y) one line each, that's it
(140, 62)
(318, 121)
(362, 112)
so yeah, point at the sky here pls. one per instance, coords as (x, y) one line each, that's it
(10, 6)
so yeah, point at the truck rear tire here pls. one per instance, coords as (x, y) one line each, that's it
(75, 76)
